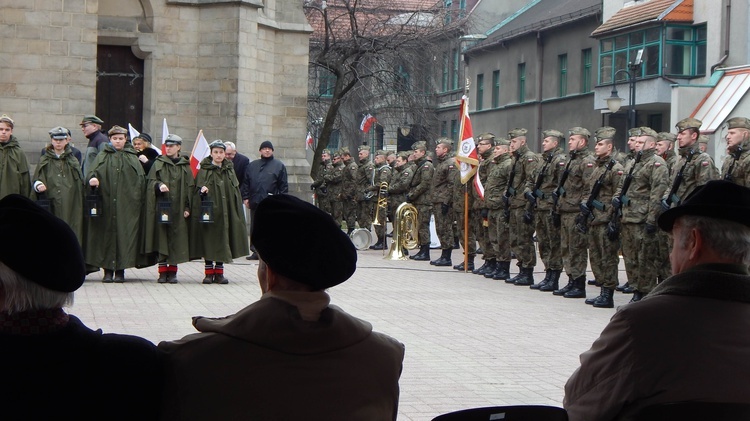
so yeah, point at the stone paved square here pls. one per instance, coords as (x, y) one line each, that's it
(470, 341)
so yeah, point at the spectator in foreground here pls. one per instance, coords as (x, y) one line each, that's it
(289, 355)
(687, 340)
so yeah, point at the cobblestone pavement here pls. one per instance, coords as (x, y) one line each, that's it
(470, 341)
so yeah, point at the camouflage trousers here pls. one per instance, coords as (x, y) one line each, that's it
(548, 239)
(443, 225)
(664, 268)
(337, 211)
(472, 249)
(365, 213)
(349, 209)
(499, 236)
(423, 218)
(324, 203)
(574, 246)
(482, 234)
(522, 239)
(603, 256)
(382, 222)
(640, 259)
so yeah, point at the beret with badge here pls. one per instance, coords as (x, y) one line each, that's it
(670, 137)
(605, 132)
(688, 123)
(517, 132)
(580, 131)
(553, 133)
(738, 123)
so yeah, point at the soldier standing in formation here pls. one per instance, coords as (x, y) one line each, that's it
(539, 195)
(349, 190)
(365, 193)
(383, 173)
(419, 196)
(521, 229)
(400, 183)
(480, 213)
(736, 166)
(319, 185)
(334, 180)
(442, 199)
(462, 198)
(494, 195)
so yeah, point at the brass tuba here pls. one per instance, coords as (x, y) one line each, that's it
(382, 205)
(405, 232)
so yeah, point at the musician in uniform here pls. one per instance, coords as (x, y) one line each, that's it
(595, 217)
(570, 192)
(400, 183)
(349, 189)
(442, 198)
(419, 196)
(365, 193)
(479, 217)
(693, 169)
(521, 231)
(638, 225)
(383, 173)
(320, 186)
(494, 196)
(334, 180)
(736, 166)
(539, 193)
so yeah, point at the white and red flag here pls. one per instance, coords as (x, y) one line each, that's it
(164, 134)
(200, 151)
(135, 133)
(367, 123)
(309, 141)
(467, 150)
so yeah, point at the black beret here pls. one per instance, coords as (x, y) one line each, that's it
(716, 199)
(50, 255)
(329, 257)
(146, 137)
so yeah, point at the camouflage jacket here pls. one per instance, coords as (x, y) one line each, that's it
(349, 180)
(610, 183)
(400, 183)
(736, 166)
(581, 168)
(497, 182)
(557, 160)
(460, 190)
(524, 163)
(382, 174)
(333, 179)
(699, 171)
(365, 178)
(483, 171)
(670, 158)
(442, 180)
(319, 184)
(646, 190)
(419, 193)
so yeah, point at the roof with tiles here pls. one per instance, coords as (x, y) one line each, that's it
(653, 11)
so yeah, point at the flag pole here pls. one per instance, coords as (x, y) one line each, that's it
(192, 153)
(466, 228)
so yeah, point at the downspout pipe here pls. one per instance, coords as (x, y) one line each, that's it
(727, 32)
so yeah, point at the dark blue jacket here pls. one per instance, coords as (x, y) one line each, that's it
(264, 177)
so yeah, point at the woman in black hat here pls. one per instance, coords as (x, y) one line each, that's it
(145, 153)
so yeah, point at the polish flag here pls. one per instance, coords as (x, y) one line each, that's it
(467, 150)
(367, 123)
(164, 134)
(200, 151)
(309, 141)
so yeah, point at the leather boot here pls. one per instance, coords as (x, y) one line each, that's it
(470, 269)
(527, 279)
(621, 288)
(108, 274)
(378, 245)
(172, 275)
(480, 270)
(543, 282)
(209, 278)
(162, 278)
(424, 253)
(489, 273)
(119, 276)
(637, 296)
(553, 283)
(444, 260)
(564, 290)
(518, 276)
(591, 300)
(593, 282)
(579, 288)
(503, 271)
(628, 290)
(605, 298)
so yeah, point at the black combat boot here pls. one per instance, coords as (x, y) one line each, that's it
(564, 290)
(593, 282)
(591, 300)
(520, 275)
(579, 288)
(528, 277)
(543, 282)
(489, 273)
(637, 296)
(424, 253)
(503, 271)
(604, 300)
(553, 283)
(444, 259)
(621, 288)
(120, 276)
(377, 246)
(481, 269)
(460, 266)
(108, 274)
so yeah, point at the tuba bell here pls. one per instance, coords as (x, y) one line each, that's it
(405, 232)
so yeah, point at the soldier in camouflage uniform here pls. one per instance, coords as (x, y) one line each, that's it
(349, 189)
(333, 180)
(365, 194)
(494, 195)
(400, 183)
(546, 176)
(419, 196)
(632, 136)
(665, 149)
(382, 175)
(697, 167)
(319, 185)
(639, 213)
(442, 198)
(736, 166)
(390, 158)
(521, 229)
(462, 194)
(574, 242)
(479, 217)
(602, 251)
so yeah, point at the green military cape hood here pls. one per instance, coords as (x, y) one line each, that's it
(14, 169)
(64, 181)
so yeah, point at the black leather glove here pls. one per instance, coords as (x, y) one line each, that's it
(616, 203)
(664, 205)
(528, 218)
(530, 197)
(444, 208)
(585, 211)
(408, 199)
(613, 231)
(650, 229)
(485, 213)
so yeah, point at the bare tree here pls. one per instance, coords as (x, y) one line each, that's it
(372, 54)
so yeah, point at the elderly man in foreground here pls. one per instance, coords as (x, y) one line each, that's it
(687, 340)
(289, 355)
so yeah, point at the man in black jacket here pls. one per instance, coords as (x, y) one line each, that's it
(240, 163)
(264, 177)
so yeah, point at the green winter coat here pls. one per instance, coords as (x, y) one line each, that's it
(64, 182)
(113, 240)
(170, 242)
(226, 237)
(14, 169)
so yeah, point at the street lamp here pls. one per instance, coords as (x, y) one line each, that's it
(468, 38)
(614, 101)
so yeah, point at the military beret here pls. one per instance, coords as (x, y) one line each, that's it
(581, 131)
(404, 154)
(703, 139)
(389, 153)
(502, 142)
(146, 137)
(344, 151)
(419, 146)
(5, 118)
(326, 151)
(635, 131)
(517, 132)
(363, 148)
(380, 152)
(647, 131)
(444, 141)
(117, 130)
(92, 119)
(58, 133)
(173, 139)
(218, 143)
(330, 257)
(688, 123)
(553, 133)
(336, 154)
(63, 269)
(605, 132)
(738, 123)
(486, 136)
(671, 137)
